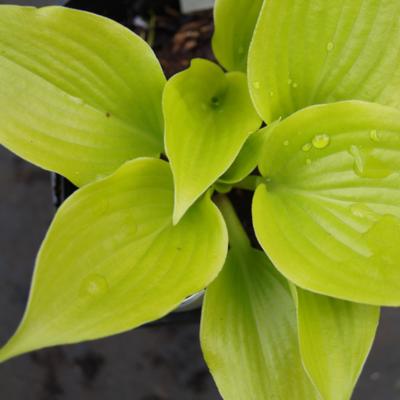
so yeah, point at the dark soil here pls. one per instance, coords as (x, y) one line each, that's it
(175, 38)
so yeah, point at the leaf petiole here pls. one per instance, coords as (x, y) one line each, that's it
(238, 238)
(249, 183)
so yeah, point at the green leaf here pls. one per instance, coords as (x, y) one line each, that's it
(308, 52)
(335, 339)
(208, 117)
(80, 94)
(234, 27)
(249, 332)
(112, 260)
(247, 160)
(329, 213)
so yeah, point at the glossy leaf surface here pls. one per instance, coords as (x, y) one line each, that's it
(208, 117)
(112, 260)
(308, 52)
(329, 213)
(80, 94)
(249, 333)
(234, 27)
(335, 338)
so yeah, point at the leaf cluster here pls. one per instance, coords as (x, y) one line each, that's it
(304, 112)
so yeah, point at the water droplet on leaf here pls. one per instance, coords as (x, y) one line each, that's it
(374, 135)
(256, 85)
(295, 85)
(321, 141)
(308, 161)
(286, 143)
(360, 210)
(330, 46)
(307, 147)
(94, 285)
(366, 165)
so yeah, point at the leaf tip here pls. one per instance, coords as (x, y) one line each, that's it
(24, 340)
(11, 349)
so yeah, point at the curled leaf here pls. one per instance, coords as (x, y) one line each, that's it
(247, 160)
(208, 117)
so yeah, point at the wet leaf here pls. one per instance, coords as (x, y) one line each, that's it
(309, 52)
(112, 260)
(328, 215)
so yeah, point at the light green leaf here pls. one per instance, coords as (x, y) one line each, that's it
(335, 339)
(308, 52)
(247, 160)
(249, 332)
(80, 94)
(329, 213)
(112, 260)
(234, 26)
(208, 117)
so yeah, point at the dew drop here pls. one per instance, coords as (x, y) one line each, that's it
(286, 143)
(295, 85)
(308, 161)
(94, 285)
(256, 85)
(307, 147)
(374, 135)
(360, 210)
(366, 165)
(289, 81)
(330, 46)
(321, 141)
(271, 93)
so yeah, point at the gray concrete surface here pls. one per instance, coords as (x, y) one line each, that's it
(162, 363)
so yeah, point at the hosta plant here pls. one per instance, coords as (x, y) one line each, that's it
(84, 97)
